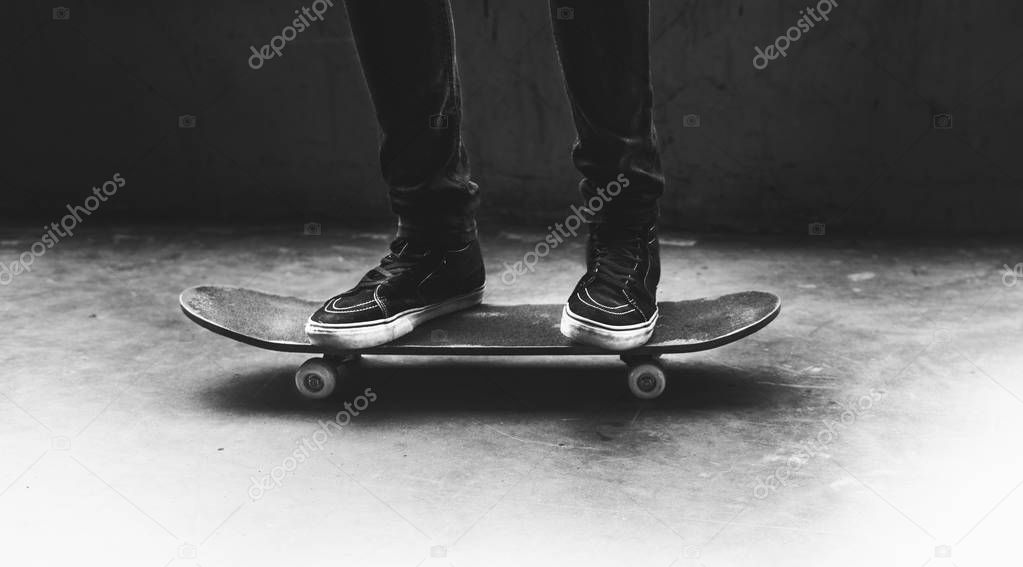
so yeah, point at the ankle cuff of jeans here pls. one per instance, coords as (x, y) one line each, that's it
(442, 232)
(640, 217)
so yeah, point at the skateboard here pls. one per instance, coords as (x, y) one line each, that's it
(276, 322)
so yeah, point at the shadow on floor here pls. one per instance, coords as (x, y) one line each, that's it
(412, 388)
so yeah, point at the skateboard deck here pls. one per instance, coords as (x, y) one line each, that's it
(276, 322)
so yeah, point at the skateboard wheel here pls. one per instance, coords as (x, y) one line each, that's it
(646, 380)
(316, 378)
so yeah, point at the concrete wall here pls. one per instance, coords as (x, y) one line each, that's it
(839, 131)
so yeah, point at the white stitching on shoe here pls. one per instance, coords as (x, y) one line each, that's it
(376, 296)
(332, 306)
(443, 262)
(633, 300)
(356, 310)
(600, 308)
(601, 304)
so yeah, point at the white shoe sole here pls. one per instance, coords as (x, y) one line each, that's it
(354, 336)
(610, 337)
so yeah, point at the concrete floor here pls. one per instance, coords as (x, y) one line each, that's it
(876, 422)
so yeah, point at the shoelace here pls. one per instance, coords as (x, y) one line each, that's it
(392, 265)
(614, 261)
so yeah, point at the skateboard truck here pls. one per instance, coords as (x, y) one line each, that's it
(318, 377)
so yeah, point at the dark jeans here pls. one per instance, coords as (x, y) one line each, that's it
(407, 49)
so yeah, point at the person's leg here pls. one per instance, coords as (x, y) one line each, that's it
(407, 51)
(434, 265)
(604, 50)
(603, 46)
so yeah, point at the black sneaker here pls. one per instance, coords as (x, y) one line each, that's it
(614, 305)
(417, 281)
